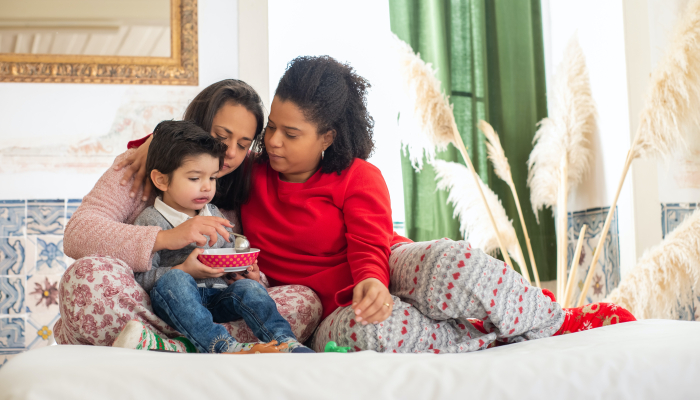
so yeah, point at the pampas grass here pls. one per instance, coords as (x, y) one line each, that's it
(673, 97)
(502, 169)
(473, 219)
(670, 110)
(433, 116)
(425, 108)
(664, 274)
(566, 132)
(561, 155)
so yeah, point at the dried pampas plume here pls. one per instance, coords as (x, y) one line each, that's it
(474, 223)
(567, 131)
(673, 98)
(667, 273)
(501, 167)
(436, 124)
(426, 123)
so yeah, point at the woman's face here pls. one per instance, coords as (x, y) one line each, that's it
(234, 125)
(293, 143)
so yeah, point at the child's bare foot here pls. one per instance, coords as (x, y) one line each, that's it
(271, 347)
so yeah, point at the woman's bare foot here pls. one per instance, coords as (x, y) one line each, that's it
(271, 347)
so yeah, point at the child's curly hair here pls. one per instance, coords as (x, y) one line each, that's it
(332, 96)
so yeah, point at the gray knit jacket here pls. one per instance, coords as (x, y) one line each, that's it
(164, 260)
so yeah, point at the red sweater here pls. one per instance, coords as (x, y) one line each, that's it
(327, 233)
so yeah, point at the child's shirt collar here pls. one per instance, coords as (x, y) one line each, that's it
(176, 217)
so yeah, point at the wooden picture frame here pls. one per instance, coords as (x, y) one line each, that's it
(181, 68)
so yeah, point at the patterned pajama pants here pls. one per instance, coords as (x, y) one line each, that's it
(437, 287)
(98, 296)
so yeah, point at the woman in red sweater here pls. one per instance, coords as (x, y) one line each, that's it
(321, 215)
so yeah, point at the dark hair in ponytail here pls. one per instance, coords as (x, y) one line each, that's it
(232, 189)
(332, 96)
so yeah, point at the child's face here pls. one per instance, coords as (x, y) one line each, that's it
(193, 185)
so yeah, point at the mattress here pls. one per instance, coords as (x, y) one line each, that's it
(649, 359)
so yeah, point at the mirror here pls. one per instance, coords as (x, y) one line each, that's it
(99, 41)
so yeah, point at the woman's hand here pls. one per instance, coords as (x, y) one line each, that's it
(198, 270)
(253, 272)
(193, 231)
(137, 169)
(371, 301)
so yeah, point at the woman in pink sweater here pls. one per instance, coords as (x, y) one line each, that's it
(98, 294)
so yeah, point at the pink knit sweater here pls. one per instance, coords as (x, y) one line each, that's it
(102, 223)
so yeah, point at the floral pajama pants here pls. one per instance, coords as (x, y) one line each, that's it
(98, 296)
(450, 298)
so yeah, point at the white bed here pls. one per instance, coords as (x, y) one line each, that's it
(653, 359)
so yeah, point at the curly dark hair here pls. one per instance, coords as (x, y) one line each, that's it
(333, 97)
(233, 189)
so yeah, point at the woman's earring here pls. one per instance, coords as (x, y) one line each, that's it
(322, 153)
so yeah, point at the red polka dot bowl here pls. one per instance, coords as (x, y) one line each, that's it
(228, 259)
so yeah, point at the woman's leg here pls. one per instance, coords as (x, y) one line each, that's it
(442, 285)
(407, 330)
(299, 305)
(446, 279)
(97, 297)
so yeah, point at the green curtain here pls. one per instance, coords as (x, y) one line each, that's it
(489, 58)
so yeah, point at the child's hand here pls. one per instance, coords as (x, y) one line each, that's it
(253, 272)
(198, 270)
(193, 231)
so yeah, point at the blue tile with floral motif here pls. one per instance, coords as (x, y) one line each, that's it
(12, 295)
(12, 217)
(673, 214)
(12, 335)
(46, 217)
(607, 274)
(48, 253)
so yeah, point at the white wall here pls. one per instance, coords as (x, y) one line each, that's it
(49, 132)
(359, 35)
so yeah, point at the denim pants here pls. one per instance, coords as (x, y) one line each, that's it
(194, 311)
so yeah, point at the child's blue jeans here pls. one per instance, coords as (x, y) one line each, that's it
(194, 310)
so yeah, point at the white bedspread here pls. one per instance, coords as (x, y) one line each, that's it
(651, 359)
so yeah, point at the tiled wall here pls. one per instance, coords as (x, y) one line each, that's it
(607, 274)
(672, 215)
(31, 265)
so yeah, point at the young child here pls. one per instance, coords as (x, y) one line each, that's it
(183, 162)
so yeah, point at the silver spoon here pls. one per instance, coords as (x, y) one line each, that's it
(241, 243)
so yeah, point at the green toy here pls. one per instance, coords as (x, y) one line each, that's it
(332, 347)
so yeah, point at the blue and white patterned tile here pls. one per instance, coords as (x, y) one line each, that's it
(12, 336)
(42, 294)
(46, 217)
(607, 275)
(71, 206)
(39, 332)
(14, 259)
(47, 250)
(12, 295)
(12, 217)
(673, 214)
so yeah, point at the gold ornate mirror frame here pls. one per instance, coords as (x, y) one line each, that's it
(181, 68)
